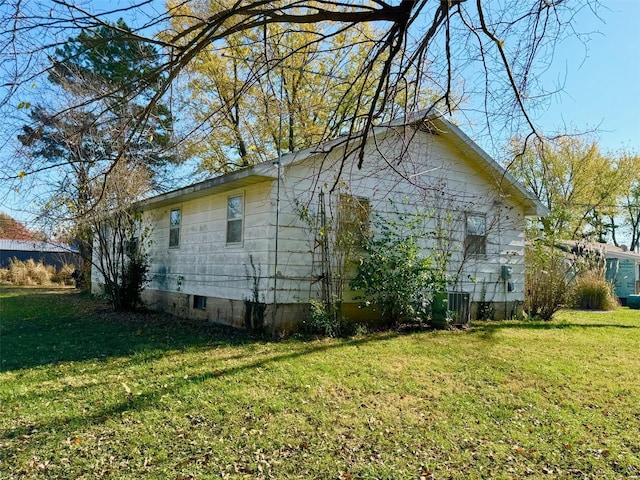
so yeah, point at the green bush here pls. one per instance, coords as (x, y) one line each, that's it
(393, 275)
(321, 321)
(591, 291)
(134, 279)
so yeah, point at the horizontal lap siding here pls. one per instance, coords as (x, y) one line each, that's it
(433, 166)
(203, 264)
(479, 193)
(208, 267)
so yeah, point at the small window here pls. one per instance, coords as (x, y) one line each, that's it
(476, 235)
(174, 227)
(199, 302)
(235, 217)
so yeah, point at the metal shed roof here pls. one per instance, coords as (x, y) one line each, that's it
(7, 244)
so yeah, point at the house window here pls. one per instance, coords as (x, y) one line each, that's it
(475, 242)
(174, 227)
(199, 302)
(235, 218)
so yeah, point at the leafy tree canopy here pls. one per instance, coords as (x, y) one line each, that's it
(590, 194)
(488, 50)
(76, 150)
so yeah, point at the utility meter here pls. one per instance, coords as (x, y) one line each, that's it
(505, 273)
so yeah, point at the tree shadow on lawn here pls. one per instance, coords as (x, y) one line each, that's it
(192, 333)
(47, 326)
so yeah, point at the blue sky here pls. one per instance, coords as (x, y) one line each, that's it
(600, 83)
(601, 79)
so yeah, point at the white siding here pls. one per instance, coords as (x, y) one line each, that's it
(204, 264)
(432, 173)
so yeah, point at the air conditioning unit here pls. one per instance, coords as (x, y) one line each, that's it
(459, 308)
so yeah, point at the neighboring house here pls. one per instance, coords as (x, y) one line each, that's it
(622, 267)
(49, 253)
(623, 271)
(255, 240)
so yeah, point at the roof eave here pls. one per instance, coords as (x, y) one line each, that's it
(241, 178)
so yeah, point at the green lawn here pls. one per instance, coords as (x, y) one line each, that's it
(85, 393)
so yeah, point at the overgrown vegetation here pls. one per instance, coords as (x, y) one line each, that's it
(393, 276)
(591, 291)
(338, 232)
(119, 237)
(30, 273)
(134, 279)
(87, 391)
(394, 261)
(559, 276)
(547, 278)
(397, 273)
(320, 321)
(120, 256)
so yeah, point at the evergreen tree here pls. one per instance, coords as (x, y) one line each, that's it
(114, 74)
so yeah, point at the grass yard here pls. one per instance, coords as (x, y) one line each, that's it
(85, 393)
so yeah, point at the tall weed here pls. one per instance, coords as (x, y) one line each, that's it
(591, 291)
(30, 273)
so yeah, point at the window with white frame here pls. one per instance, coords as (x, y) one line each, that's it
(175, 221)
(235, 219)
(475, 242)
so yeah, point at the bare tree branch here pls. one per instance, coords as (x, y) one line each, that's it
(418, 43)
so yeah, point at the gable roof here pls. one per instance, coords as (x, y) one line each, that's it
(433, 121)
(502, 178)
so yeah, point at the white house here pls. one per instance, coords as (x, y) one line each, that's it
(254, 242)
